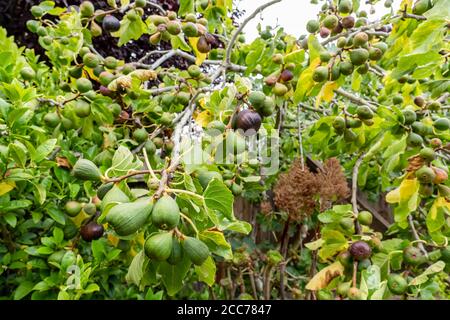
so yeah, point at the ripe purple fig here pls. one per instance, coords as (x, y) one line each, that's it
(248, 119)
(360, 250)
(91, 231)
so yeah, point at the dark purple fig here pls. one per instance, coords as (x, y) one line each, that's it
(91, 231)
(360, 250)
(248, 119)
(286, 75)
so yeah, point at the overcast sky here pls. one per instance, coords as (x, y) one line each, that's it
(292, 14)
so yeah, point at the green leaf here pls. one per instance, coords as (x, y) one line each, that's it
(207, 271)
(219, 197)
(23, 289)
(98, 249)
(154, 296)
(334, 242)
(130, 30)
(123, 161)
(173, 276)
(44, 150)
(217, 243)
(11, 219)
(434, 268)
(56, 214)
(135, 271)
(58, 235)
(186, 6)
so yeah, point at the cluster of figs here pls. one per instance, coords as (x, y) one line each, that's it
(354, 50)
(361, 251)
(126, 216)
(106, 70)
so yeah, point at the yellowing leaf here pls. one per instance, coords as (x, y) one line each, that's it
(6, 186)
(305, 82)
(393, 196)
(78, 220)
(113, 239)
(439, 202)
(200, 56)
(407, 190)
(203, 118)
(327, 92)
(324, 276)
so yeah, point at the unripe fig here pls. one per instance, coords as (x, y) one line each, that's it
(330, 22)
(279, 89)
(365, 218)
(364, 112)
(72, 208)
(320, 74)
(375, 54)
(441, 124)
(346, 68)
(312, 26)
(345, 6)
(427, 154)
(410, 116)
(82, 108)
(360, 39)
(83, 85)
(86, 9)
(414, 140)
(91, 60)
(359, 56)
(425, 175)
(190, 30)
(413, 256)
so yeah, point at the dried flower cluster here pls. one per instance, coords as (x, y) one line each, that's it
(299, 192)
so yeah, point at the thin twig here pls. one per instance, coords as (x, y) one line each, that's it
(242, 26)
(355, 191)
(300, 139)
(416, 235)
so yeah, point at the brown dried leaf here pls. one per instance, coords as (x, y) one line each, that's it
(324, 276)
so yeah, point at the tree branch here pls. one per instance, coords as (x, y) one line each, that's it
(416, 235)
(355, 99)
(242, 26)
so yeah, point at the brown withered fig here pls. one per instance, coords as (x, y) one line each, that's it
(91, 231)
(203, 46)
(286, 75)
(360, 250)
(348, 22)
(248, 119)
